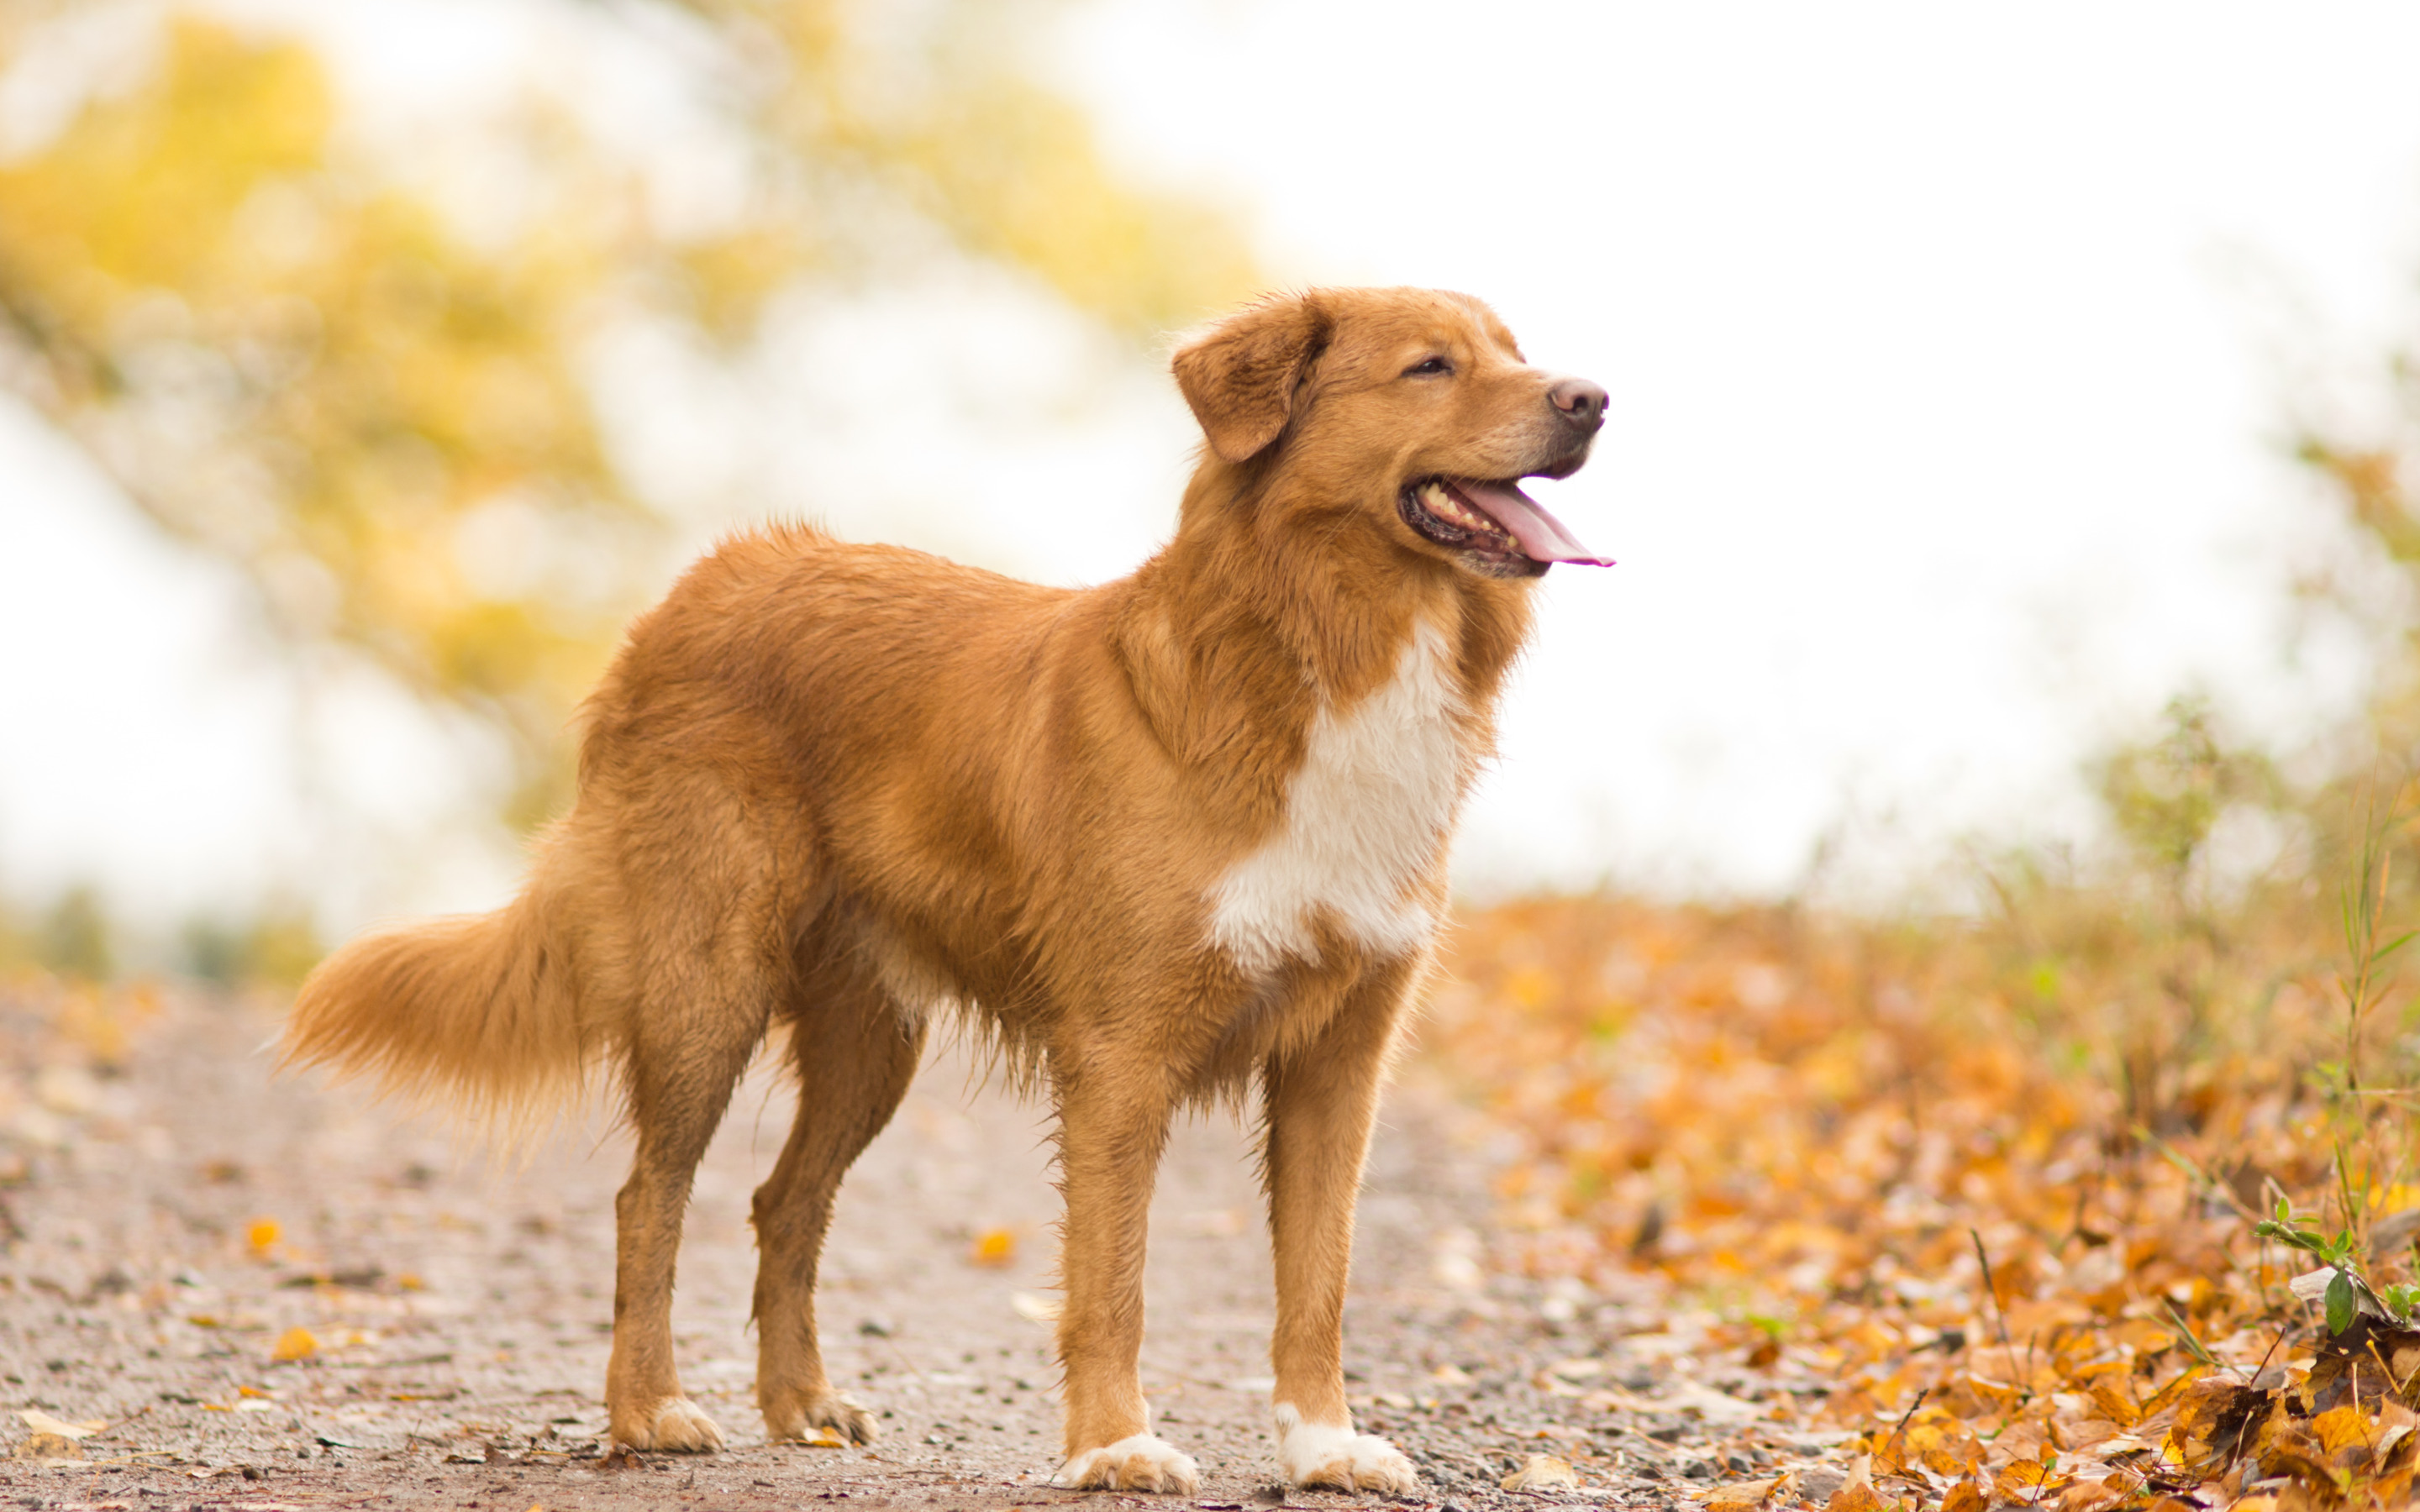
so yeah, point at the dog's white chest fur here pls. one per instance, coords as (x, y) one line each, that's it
(1366, 816)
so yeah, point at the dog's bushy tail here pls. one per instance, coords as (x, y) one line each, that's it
(478, 1012)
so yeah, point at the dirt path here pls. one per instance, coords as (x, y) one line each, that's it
(461, 1310)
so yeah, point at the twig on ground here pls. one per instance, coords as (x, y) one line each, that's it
(1905, 1417)
(1992, 1292)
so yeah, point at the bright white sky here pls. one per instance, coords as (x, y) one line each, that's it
(1944, 342)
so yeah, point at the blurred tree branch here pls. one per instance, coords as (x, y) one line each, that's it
(292, 363)
(2371, 469)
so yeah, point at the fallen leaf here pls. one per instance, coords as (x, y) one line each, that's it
(48, 1446)
(296, 1343)
(41, 1422)
(2090, 1496)
(1745, 1495)
(261, 1234)
(994, 1246)
(1933, 1439)
(2215, 1420)
(1539, 1471)
(1856, 1496)
(2110, 1397)
(2339, 1428)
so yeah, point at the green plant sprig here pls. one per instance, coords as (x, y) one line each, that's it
(2349, 1285)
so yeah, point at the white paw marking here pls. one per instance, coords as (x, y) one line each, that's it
(1311, 1454)
(681, 1426)
(1366, 816)
(1144, 1462)
(832, 1420)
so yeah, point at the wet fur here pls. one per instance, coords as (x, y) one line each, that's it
(851, 789)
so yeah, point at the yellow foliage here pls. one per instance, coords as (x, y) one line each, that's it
(943, 113)
(294, 364)
(312, 375)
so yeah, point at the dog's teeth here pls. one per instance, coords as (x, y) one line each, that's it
(1441, 501)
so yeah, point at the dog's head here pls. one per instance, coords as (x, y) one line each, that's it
(1410, 409)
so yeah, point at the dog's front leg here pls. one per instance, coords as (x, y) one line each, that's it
(1111, 1132)
(1322, 1102)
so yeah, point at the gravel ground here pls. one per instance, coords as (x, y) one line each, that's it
(460, 1306)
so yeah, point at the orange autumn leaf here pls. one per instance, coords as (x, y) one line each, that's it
(296, 1343)
(1856, 1496)
(2115, 1405)
(2340, 1429)
(2027, 1480)
(1932, 1439)
(2090, 1496)
(1751, 1493)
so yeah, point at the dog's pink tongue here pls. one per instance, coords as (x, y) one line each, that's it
(1542, 536)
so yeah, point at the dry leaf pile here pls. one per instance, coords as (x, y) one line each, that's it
(1818, 1139)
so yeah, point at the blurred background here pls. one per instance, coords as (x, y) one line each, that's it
(2011, 448)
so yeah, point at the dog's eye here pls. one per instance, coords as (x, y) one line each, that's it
(1428, 367)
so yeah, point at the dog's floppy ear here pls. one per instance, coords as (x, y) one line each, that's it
(1243, 375)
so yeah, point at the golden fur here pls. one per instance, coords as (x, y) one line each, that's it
(1166, 839)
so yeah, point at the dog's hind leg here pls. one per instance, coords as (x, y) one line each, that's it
(689, 1041)
(1322, 1100)
(855, 1054)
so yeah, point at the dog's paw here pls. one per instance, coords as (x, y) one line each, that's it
(677, 1426)
(1144, 1462)
(1340, 1459)
(822, 1417)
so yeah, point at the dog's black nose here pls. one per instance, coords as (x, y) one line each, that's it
(1581, 402)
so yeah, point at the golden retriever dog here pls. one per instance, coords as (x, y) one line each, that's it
(1178, 839)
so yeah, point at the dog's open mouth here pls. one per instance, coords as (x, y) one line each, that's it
(1492, 521)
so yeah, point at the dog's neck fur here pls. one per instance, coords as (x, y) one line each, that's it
(1272, 603)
